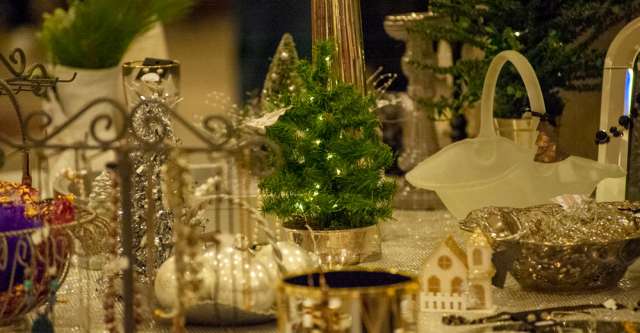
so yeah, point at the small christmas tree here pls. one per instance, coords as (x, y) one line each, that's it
(332, 173)
(282, 78)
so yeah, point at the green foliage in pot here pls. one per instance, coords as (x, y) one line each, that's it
(332, 173)
(556, 36)
(95, 34)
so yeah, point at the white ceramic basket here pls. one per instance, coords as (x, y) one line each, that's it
(494, 171)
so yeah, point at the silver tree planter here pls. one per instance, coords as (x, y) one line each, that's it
(339, 247)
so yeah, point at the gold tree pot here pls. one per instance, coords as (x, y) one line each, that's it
(339, 247)
(522, 131)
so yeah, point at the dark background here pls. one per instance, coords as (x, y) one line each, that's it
(261, 23)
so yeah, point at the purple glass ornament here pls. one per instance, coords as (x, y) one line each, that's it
(12, 218)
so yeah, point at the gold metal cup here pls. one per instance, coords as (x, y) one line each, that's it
(348, 301)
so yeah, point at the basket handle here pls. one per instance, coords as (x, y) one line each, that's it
(529, 78)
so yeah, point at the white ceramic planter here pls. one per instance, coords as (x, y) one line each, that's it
(88, 85)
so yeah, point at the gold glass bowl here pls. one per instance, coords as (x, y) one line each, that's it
(546, 266)
(579, 267)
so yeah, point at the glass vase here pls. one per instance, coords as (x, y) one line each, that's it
(152, 90)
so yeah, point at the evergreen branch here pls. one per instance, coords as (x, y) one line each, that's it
(97, 33)
(556, 37)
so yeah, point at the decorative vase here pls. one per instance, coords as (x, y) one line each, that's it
(88, 85)
(149, 86)
(341, 22)
(494, 171)
(348, 301)
(339, 247)
(522, 131)
(618, 89)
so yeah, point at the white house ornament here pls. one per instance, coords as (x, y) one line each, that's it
(456, 280)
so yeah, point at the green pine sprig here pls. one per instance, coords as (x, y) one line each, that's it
(332, 173)
(96, 33)
(557, 37)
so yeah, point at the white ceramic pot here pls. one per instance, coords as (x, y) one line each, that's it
(88, 85)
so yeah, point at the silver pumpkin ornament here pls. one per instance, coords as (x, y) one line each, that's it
(238, 285)
(294, 259)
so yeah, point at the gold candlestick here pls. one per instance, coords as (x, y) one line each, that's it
(341, 21)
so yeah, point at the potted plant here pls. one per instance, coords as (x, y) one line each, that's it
(90, 39)
(556, 37)
(329, 190)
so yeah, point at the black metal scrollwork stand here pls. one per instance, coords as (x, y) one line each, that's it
(218, 134)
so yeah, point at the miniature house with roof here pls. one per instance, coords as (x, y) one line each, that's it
(453, 279)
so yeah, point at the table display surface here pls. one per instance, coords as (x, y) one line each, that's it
(407, 241)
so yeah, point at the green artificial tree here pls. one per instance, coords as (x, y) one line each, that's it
(556, 36)
(282, 77)
(332, 173)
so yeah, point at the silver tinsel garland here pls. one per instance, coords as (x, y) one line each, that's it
(150, 123)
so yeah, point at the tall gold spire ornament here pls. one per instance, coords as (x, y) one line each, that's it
(341, 21)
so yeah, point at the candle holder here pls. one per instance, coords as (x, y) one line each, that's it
(419, 139)
(154, 86)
